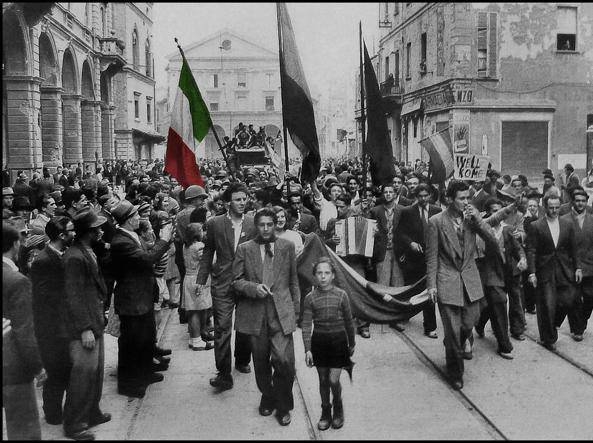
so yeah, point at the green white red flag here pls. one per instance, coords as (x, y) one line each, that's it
(190, 122)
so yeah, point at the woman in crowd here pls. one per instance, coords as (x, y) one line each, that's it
(287, 234)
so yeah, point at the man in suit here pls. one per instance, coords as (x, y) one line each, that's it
(135, 293)
(568, 181)
(411, 242)
(385, 256)
(500, 262)
(453, 279)
(480, 196)
(21, 361)
(85, 293)
(567, 208)
(225, 233)
(300, 218)
(50, 315)
(266, 280)
(583, 226)
(554, 267)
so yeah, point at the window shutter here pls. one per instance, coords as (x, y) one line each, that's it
(492, 44)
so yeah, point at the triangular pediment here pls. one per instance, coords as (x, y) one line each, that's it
(209, 47)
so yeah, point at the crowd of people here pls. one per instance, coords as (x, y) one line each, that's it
(88, 251)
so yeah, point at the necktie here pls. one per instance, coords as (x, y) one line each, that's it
(268, 271)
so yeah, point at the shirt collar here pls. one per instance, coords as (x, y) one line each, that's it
(10, 263)
(57, 251)
(228, 215)
(576, 214)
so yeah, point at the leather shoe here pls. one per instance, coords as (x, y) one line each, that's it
(161, 359)
(506, 355)
(222, 383)
(153, 377)
(244, 369)
(549, 346)
(161, 351)
(364, 333)
(208, 337)
(520, 337)
(135, 392)
(577, 337)
(283, 418)
(431, 334)
(100, 419)
(159, 367)
(457, 384)
(265, 411)
(397, 326)
(82, 435)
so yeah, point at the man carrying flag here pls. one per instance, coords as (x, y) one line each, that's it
(190, 121)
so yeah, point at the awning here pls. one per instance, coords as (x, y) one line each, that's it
(150, 137)
(409, 107)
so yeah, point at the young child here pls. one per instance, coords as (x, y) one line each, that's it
(196, 304)
(332, 343)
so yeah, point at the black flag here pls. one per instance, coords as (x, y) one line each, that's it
(378, 145)
(297, 107)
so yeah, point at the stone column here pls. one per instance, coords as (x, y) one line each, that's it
(97, 113)
(51, 126)
(107, 134)
(72, 128)
(89, 136)
(23, 132)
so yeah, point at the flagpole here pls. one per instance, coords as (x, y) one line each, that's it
(212, 127)
(284, 130)
(362, 115)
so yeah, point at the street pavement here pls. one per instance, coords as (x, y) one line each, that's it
(398, 392)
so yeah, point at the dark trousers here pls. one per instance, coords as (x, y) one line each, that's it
(135, 348)
(587, 294)
(549, 298)
(429, 311)
(22, 416)
(516, 311)
(529, 293)
(458, 322)
(496, 311)
(571, 306)
(55, 354)
(274, 350)
(86, 384)
(223, 307)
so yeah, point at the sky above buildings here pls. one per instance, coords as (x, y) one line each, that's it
(326, 33)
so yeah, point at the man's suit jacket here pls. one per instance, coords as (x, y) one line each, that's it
(308, 224)
(85, 293)
(248, 273)
(479, 198)
(132, 267)
(411, 229)
(548, 261)
(449, 268)
(584, 240)
(20, 355)
(49, 298)
(495, 272)
(566, 208)
(220, 239)
(380, 247)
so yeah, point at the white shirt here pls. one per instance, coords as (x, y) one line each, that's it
(294, 238)
(237, 228)
(554, 226)
(10, 263)
(262, 250)
(133, 235)
(327, 212)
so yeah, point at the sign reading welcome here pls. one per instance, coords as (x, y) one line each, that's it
(471, 167)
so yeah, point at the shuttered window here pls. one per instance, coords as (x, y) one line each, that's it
(524, 148)
(487, 45)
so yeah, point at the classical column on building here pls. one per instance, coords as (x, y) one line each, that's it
(107, 134)
(98, 113)
(51, 125)
(72, 128)
(91, 142)
(23, 132)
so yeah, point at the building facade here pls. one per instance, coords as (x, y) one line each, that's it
(61, 65)
(511, 80)
(239, 81)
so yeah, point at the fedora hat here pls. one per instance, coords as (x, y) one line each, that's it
(86, 219)
(123, 211)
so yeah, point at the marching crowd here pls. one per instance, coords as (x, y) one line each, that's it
(88, 251)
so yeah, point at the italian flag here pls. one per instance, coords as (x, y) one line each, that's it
(190, 121)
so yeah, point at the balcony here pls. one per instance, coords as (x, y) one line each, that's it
(112, 54)
(392, 92)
